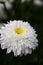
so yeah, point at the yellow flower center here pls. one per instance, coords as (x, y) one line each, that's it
(19, 31)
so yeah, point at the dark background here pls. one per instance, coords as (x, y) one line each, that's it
(26, 11)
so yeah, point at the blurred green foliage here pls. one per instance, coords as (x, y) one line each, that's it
(26, 11)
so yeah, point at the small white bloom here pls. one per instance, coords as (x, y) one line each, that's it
(19, 37)
(38, 2)
(2, 12)
(8, 5)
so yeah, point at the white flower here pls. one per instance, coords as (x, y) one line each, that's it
(38, 2)
(8, 5)
(2, 12)
(19, 37)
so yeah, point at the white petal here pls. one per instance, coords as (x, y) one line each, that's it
(28, 51)
(9, 49)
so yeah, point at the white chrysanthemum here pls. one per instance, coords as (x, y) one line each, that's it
(19, 37)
